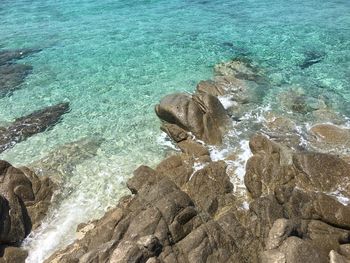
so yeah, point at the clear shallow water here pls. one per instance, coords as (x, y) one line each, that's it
(114, 60)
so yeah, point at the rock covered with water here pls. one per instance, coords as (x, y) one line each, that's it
(29, 125)
(24, 199)
(62, 161)
(13, 74)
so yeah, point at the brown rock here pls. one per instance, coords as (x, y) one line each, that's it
(13, 255)
(193, 148)
(202, 114)
(210, 87)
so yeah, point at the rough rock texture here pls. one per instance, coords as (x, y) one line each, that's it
(185, 211)
(201, 114)
(160, 223)
(330, 138)
(24, 200)
(274, 165)
(27, 126)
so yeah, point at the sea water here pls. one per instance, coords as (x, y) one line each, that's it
(113, 60)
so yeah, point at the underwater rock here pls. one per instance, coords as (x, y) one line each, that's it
(201, 114)
(7, 56)
(311, 58)
(12, 75)
(239, 68)
(63, 160)
(34, 123)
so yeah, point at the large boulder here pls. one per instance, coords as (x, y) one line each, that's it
(201, 114)
(34, 123)
(24, 202)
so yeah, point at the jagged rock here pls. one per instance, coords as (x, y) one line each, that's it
(43, 189)
(208, 187)
(298, 250)
(160, 223)
(272, 165)
(15, 189)
(330, 138)
(321, 172)
(345, 250)
(337, 258)
(174, 132)
(24, 201)
(202, 114)
(27, 126)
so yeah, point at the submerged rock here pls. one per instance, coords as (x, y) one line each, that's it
(63, 160)
(11, 76)
(7, 56)
(239, 68)
(27, 126)
(11, 73)
(311, 58)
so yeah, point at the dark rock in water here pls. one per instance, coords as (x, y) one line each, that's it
(11, 76)
(7, 56)
(11, 73)
(26, 126)
(311, 58)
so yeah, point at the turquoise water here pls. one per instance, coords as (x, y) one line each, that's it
(114, 60)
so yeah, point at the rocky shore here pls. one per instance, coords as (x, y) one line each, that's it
(294, 207)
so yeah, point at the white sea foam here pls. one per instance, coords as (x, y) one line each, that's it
(164, 140)
(241, 161)
(227, 101)
(196, 167)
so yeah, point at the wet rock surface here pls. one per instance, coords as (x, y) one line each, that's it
(25, 199)
(34, 123)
